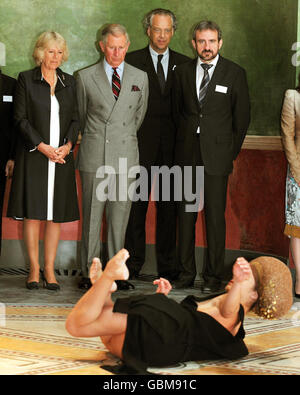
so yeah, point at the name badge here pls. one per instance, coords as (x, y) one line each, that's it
(8, 99)
(221, 88)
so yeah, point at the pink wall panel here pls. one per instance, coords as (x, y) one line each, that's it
(255, 207)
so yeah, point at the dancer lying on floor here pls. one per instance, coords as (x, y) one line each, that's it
(154, 330)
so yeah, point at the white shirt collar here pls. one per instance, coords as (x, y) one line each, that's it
(154, 53)
(107, 66)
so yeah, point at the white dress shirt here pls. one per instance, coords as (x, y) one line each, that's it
(109, 71)
(164, 60)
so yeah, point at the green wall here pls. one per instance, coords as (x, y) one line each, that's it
(258, 34)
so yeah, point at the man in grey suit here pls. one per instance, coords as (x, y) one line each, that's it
(112, 101)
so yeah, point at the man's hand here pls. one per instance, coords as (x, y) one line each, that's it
(163, 286)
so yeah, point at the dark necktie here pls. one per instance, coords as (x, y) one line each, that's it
(116, 83)
(205, 81)
(160, 73)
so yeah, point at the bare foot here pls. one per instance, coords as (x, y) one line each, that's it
(96, 273)
(95, 270)
(116, 267)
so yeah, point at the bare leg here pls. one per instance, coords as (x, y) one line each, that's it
(93, 315)
(51, 240)
(31, 230)
(295, 250)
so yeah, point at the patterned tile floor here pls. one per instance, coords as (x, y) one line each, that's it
(33, 340)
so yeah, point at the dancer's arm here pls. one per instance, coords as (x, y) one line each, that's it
(230, 304)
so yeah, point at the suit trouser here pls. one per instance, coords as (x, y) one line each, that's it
(165, 245)
(215, 193)
(93, 205)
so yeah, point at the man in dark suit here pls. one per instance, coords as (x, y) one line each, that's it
(156, 139)
(7, 92)
(212, 108)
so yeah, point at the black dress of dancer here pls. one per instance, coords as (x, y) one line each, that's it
(161, 332)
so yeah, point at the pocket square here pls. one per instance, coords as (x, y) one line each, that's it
(135, 88)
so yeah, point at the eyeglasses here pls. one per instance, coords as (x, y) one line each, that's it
(160, 31)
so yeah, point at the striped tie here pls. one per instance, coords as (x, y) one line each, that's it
(205, 82)
(116, 83)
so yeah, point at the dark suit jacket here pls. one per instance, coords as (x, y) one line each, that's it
(223, 119)
(7, 135)
(158, 129)
(32, 108)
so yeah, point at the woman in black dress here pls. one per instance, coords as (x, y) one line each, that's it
(154, 330)
(43, 185)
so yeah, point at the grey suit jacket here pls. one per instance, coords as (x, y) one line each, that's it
(109, 127)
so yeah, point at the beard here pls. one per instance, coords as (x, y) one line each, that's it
(207, 55)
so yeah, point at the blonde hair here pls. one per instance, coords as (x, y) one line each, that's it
(42, 43)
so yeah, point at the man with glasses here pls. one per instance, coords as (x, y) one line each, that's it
(156, 138)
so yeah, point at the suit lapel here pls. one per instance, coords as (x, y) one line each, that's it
(192, 79)
(1, 90)
(170, 72)
(1, 84)
(61, 80)
(148, 62)
(100, 79)
(126, 83)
